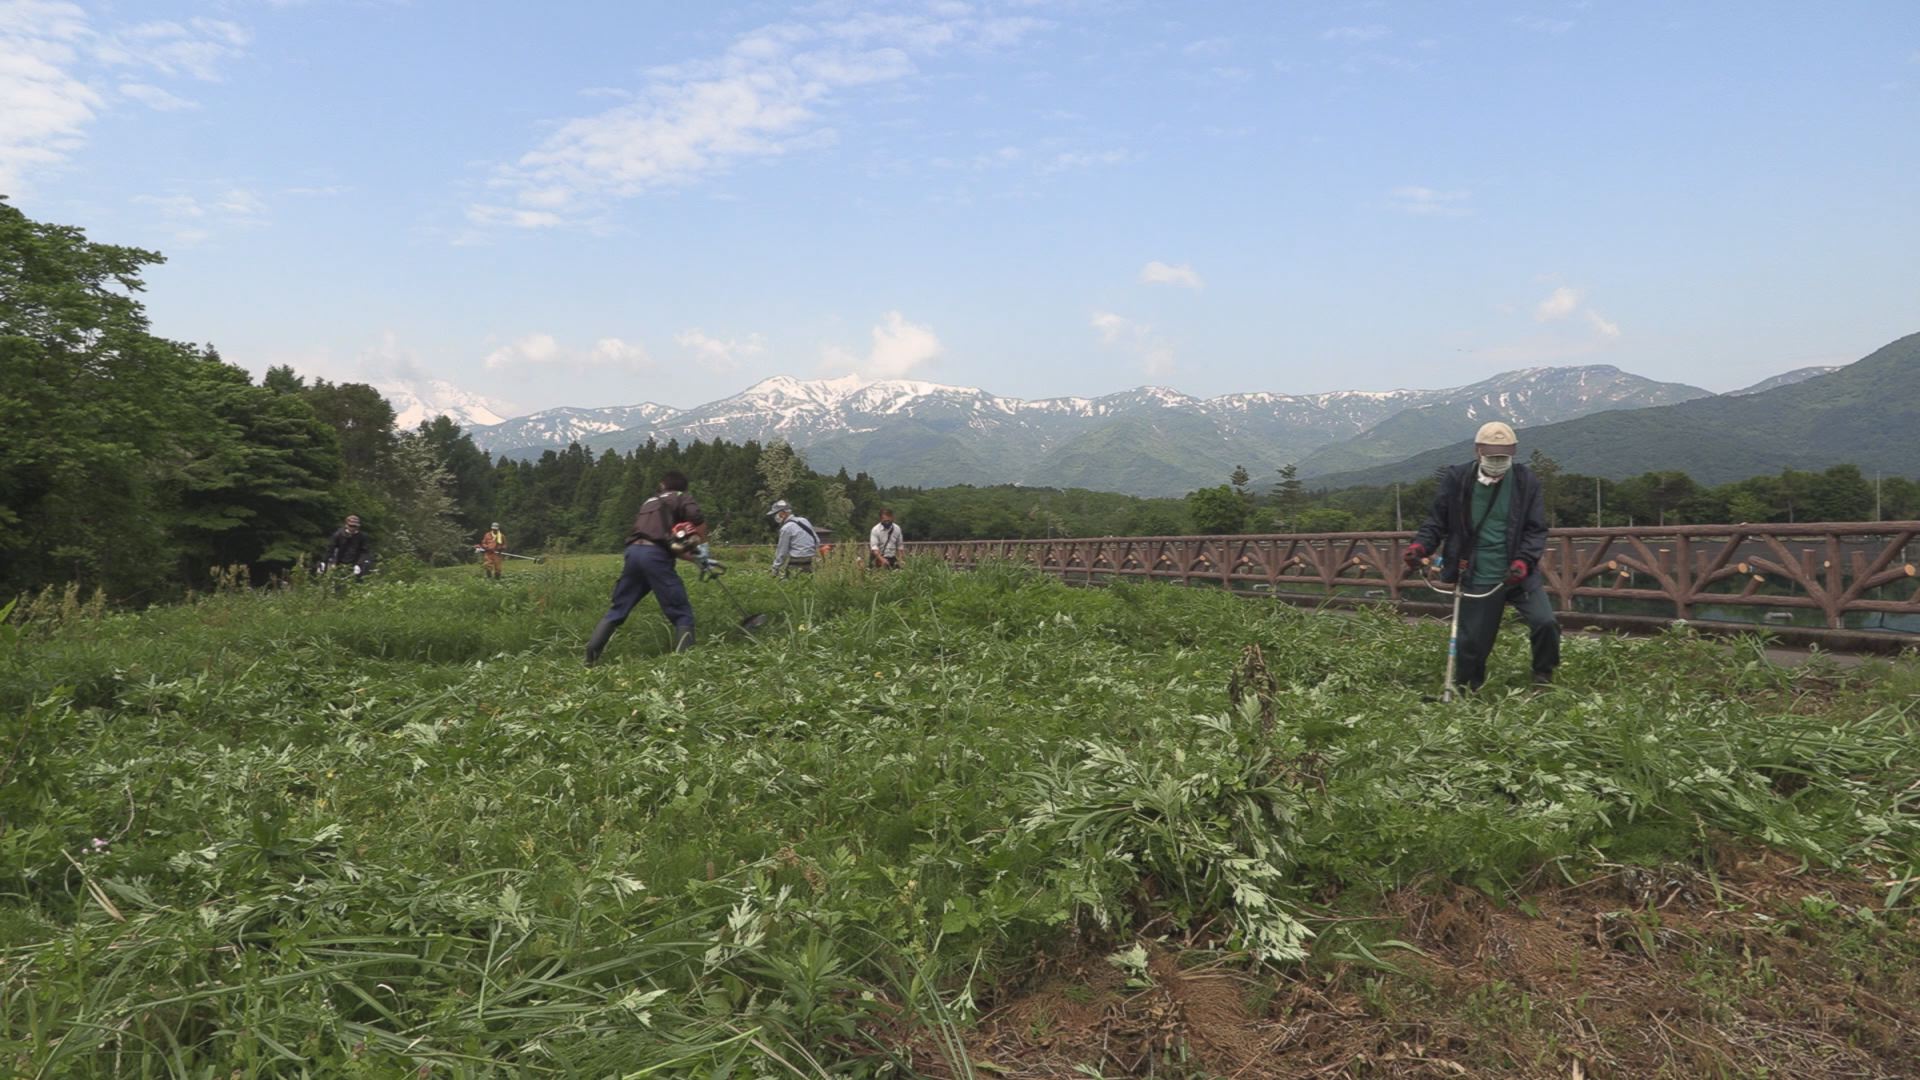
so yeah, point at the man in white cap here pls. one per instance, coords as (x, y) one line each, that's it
(1489, 523)
(797, 543)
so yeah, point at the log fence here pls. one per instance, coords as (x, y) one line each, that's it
(1834, 570)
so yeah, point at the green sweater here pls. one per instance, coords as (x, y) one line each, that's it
(1490, 505)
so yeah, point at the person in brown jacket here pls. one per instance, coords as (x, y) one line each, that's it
(492, 543)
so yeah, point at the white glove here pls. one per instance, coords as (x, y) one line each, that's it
(357, 570)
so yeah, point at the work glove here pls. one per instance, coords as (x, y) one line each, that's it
(358, 570)
(1516, 571)
(1413, 555)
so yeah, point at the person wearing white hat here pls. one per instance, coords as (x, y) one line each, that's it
(1489, 525)
(797, 544)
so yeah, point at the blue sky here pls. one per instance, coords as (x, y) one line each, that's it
(603, 203)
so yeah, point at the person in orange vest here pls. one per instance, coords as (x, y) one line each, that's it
(492, 543)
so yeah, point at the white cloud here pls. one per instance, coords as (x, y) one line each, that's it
(615, 353)
(1112, 328)
(1070, 160)
(388, 361)
(189, 219)
(1154, 353)
(720, 355)
(44, 106)
(507, 215)
(536, 350)
(1369, 32)
(899, 346)
(1159, 273)
(1428, 202)
(542, 351)
(1541, 25)
(51, 58)
(1559, 304)
(196, 47)
(769, 93)
(1565, 301)
(155, 98)
(1213, 46)
(240, 204)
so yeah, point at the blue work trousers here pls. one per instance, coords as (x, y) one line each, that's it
(649, 569)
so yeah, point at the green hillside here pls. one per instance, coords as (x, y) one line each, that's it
(1867, 413)
(913, 449)
(1164, 453)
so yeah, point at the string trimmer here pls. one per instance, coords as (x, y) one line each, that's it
(1453, 632)
(711, 570)
(511, 555)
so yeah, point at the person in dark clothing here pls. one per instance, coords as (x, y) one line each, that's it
(348, 547)
(669, 526)
(1489, 524)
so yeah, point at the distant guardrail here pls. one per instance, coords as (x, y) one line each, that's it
(1833, 575)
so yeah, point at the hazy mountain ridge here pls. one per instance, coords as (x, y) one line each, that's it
(1150, 440)
(1866, 413)
(1785, 378)
(1522, 398)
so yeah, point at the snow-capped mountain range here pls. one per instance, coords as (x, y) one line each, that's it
(1148, 440)
(423, 399)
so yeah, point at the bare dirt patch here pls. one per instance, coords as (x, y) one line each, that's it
(1759, 970)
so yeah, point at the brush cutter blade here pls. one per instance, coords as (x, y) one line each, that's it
(754, 622)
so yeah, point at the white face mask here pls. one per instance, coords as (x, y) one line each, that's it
(1496, 465)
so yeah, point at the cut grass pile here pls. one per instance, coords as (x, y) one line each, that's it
(401, 829)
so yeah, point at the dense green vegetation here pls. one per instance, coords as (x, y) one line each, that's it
(127, 456)
(1671, 497)
(1863, 413)
(309, 832)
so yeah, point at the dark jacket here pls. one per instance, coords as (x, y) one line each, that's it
(658, 515)
(347, 548)
(1446, 530)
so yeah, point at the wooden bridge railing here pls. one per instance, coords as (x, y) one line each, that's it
(1834, 568)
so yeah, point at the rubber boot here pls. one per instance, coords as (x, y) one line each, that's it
(601, 635)
(682, 638)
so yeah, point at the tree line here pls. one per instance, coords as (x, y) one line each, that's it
(1838, 493)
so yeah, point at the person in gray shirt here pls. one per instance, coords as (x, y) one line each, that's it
(797, 544)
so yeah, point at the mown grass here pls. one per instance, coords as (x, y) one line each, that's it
(403, 828)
